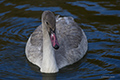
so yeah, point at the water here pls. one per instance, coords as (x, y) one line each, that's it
(99, 19)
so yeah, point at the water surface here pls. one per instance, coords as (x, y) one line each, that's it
(99, 19)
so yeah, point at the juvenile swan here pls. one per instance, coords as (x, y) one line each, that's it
(56, 43)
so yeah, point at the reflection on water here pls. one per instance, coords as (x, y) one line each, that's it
(99, 19)
(48, 76)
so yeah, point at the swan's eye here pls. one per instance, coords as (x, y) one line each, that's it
(47, 23)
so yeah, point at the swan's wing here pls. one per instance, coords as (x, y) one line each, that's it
(72, 41)
(34, 47)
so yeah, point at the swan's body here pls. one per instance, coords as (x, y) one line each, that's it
(71, 39)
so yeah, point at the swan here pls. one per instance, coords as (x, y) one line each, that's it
(56, 43)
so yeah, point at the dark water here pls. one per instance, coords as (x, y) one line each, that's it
(100, 19)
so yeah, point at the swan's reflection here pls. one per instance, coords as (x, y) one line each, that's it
(45, 76)
(49, 76)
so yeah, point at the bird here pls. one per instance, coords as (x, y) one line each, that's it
(56, 43)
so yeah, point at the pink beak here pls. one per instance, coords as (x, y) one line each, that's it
(54, 41)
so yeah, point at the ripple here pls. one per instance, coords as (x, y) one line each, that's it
(44, 8)
(14, 34)
(94, 6)
(22, 6)
(9, 4)
(2, 1)
(2, 14)
(17, 25)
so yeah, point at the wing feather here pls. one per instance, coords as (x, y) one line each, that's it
(70, 37)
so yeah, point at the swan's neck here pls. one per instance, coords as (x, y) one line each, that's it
(49, 62)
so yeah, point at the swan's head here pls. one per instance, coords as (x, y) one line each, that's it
(48, 20)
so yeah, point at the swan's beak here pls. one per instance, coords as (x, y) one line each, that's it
(54, 41)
